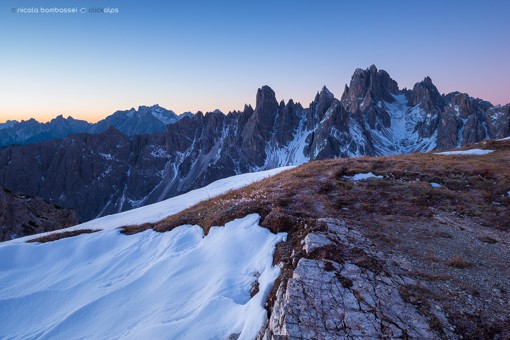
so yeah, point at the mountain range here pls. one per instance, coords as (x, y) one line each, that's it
(147, 119)
(111, 171)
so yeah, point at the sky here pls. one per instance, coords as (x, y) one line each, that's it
(205, 55)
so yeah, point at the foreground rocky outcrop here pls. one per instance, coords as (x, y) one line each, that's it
(332, 296)
(26, 215)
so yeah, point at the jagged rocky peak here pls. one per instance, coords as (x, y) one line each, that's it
(259, 126)
(266, 98)
(465, 105)
(265, 109)
(325, 93)
(163, 115)
(367, 87)
(248, 108)
(144, 109)
(321, 103)
(59, 118)
(426, 94)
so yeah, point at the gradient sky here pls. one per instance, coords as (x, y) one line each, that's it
(202, 55)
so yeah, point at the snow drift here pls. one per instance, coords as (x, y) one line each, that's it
(179, 284)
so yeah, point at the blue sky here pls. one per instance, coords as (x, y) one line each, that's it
(202, 55)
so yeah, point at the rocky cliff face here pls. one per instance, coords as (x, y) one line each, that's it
(27, 215)
(498, 121)
(110, 172)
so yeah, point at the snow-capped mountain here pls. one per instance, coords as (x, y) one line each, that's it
(107, 173)
(147, 119)
(109, 285)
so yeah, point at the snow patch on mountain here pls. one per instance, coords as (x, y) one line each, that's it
(164, 116)
(359, 142)
(363, 176)
(290, 154)
(402, 136)
(467, 152)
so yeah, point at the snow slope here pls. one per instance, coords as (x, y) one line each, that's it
(158, 211)
(172, 285)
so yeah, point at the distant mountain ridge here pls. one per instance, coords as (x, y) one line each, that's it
(105, 173)
(147, 119)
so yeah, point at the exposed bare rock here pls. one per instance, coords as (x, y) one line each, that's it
(426, 94)
(341, 291)
(314, 241)
(498, 121)
(319, 106)
(367, 86)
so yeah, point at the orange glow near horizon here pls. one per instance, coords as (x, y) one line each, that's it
(99, 113)
(46, 117)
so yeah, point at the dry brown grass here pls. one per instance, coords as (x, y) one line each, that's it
(458, 262)
(470, 186)
(487, 239)
(61, 235)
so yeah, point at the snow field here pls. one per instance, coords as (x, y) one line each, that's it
(174, 285)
